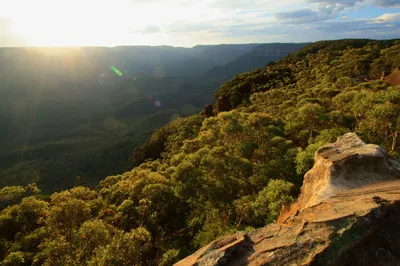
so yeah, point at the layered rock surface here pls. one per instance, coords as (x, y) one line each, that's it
(348, 163)
(348, 213)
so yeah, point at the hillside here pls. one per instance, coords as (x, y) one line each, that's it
(255, 58)
(71, 116)
(203, 177)
(354, 224)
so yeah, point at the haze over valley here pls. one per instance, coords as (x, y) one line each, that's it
(71, 116)
(210, 132)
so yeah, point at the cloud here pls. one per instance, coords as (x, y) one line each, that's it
(387, 18)
(347, 3)
(388, 3)
(182, 26)
(188, 22)
(319, 10)
(310, 21)
(358, 28)
(150, 30)
(306, 15)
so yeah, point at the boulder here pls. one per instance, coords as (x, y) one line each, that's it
(347, 214)
(394, 78)
(348, 163)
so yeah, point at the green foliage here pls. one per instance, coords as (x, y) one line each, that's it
(168, 138)
(201, 178)
(92, 235)
(216, 225)
(13, 194)
(304, 121)
(169, 257)
(247, 148)
(125, 249)
(305, 158)
(270, 200)
(277, 195)
(14, 259)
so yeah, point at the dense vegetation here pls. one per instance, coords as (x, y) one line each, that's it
(72, 116)
(202, 177)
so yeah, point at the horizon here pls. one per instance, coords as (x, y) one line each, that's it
(187, 47)
(185, 23)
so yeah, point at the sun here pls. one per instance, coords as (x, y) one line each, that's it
(101, 22)
(69, 23)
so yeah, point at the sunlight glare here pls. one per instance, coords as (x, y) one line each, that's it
(109, 23)
(70, 23)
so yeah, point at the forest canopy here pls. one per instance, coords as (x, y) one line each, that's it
(202, 177)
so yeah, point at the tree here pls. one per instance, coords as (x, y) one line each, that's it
(305, 120)
(13, 194)
(92, 235)
(67, 216)
(270, 200)
(14, 259)
(125, 249)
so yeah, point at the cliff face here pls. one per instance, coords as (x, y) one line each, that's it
(347, 214)
(394, 78)
(348, 163)
(278, 49)
(256, 58)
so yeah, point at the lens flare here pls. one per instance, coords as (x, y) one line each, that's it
(158, 103)
(116, 70)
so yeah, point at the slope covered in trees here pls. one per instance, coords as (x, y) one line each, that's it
(202, 177)
(255, 58)
(72, 116)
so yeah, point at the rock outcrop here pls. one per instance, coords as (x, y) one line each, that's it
(348, 213)
(394, 78)
(208, 110)
(348, 163)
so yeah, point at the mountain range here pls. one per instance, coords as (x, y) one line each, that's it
(72, 116)
(275, 171)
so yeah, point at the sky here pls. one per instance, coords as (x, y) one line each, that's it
(190, 22)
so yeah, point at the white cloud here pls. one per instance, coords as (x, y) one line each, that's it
(189, 22)
(387, 18)
(347, 3)
(306, 15)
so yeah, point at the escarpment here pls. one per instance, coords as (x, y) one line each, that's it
(347, 214)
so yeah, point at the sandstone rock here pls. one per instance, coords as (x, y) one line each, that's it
(394, 78)
(346, 217)
(348, 163)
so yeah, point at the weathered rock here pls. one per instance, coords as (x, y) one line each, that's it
(394, 78)
(348, 224)
(208, 110)
(348, 163)
(223, 104)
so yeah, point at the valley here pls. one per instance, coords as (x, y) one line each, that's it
(277, 167)
(71, 116)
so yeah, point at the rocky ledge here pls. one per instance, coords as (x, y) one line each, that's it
(348, 213)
